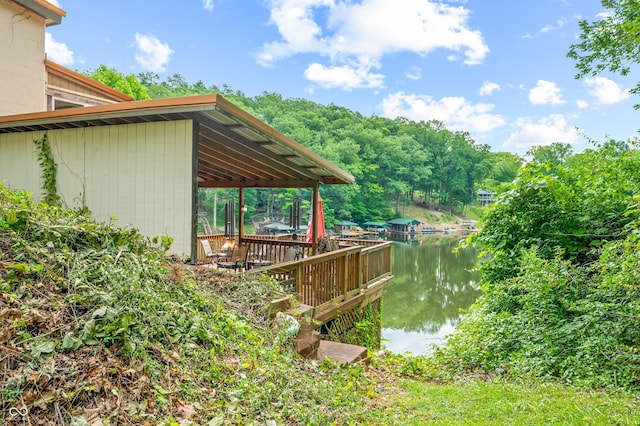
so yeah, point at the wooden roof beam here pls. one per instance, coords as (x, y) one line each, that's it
(273, 157)
(239, 148)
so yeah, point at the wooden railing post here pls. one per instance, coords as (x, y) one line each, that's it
(358, 270)
(300, 284)
(345, 276)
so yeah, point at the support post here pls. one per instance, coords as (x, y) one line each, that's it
(240, 214)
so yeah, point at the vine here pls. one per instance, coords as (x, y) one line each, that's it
(358, 326)
(49, 170)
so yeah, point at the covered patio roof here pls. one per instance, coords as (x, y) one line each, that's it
(234, 149)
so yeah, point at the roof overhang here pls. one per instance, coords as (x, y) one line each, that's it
(235, 149)
(52, 15)
(108, 93)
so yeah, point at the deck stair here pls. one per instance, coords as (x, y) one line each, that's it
(310, 346)
(341, 352)
(308, 343)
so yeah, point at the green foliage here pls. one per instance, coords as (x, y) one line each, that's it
(577, 206)
(610, 43)
(366, 331)
(552, 155)
(49, 169)
(128, 84)
(560, 288)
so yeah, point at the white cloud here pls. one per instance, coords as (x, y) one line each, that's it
(605, 15)
(606, 91)
(58, 52)
(559, 24)
(546, 92)
(455, 112)
(345, 77)
(207, 5)
(361, 34)
(582, 104)
(153, 55)
(415, 73)
(488, 87)
(56, 3)
(545, 131)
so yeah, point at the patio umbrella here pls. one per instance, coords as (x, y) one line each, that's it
(321, 232)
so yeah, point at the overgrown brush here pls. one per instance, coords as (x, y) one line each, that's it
(561, 290)
(98, 324)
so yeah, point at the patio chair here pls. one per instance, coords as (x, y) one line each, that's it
(210, 254)
(292, 253)
(237, 260)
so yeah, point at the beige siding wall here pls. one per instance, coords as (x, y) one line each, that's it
(22, 85)
(137, 173)
(18, 164)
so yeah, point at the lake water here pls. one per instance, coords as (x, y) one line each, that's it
(422, 304)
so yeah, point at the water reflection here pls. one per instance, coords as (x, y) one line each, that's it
(422, 304)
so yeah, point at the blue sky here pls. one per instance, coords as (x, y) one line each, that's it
(495, 68)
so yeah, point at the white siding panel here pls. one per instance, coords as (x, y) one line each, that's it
(68, 147)
(141, 174)
(18, 162)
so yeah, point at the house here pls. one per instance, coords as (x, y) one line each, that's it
(22, 35)
(376, 227)
(403, 225)
(346, 228)
(485, 197)
(32, 83)
(139, 161)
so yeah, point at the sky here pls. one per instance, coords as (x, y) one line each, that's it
(494, 68)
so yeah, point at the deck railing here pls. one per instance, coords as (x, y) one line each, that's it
(274, 250)
(323, 280)
(331, 278)
(266, 247)
(376, 262)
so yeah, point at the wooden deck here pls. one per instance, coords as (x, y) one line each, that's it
(335, 282)
(330, 283)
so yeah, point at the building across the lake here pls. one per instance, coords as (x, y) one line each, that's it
(403, 225)
(377, 227)
(347, 228)
(485, 197)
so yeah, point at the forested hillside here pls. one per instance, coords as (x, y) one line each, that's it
(395, 162)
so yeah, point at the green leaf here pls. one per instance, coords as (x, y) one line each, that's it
(70, 342)
(42, 346)
(216, 421)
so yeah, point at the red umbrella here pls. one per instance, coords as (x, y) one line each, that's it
(320, 222)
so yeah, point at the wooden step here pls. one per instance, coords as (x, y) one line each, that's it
(341, 352)
(307, 344)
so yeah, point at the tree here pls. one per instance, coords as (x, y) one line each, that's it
(390, 159)
(560, 294)
(552, 155)
(611, 43)
(128, 84)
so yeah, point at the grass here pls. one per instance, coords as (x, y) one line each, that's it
(496, 403)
